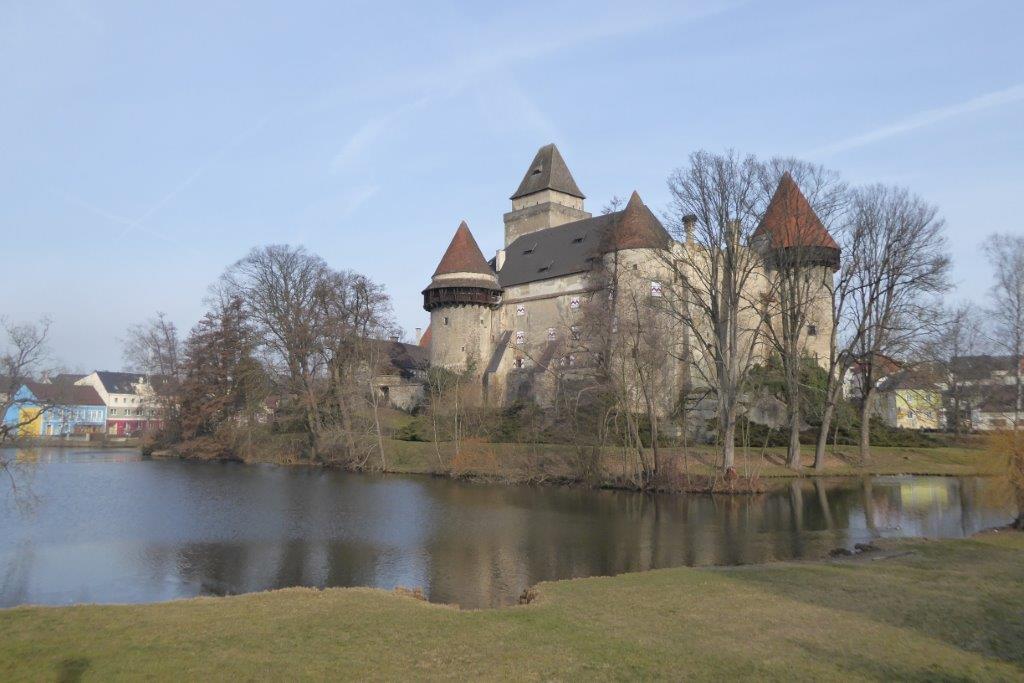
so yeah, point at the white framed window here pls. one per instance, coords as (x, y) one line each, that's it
(520, 309)
(519, 362)
(572, 359)
(574, 303)
(552, 334)
(520, 337)
(656, 289)
(575, 330)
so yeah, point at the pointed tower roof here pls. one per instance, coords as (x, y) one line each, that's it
(548, 172)
(636, 227)
(791, 222)
(463, 255)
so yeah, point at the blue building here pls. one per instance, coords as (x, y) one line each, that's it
(56, 410)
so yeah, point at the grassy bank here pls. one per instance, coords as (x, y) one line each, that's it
(916, 610)
(519, 461)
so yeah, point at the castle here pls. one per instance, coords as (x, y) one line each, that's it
(508, 320)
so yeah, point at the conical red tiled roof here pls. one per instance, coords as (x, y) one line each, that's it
(636, 227)
(463, 255)
(791, 222)
(424, 341)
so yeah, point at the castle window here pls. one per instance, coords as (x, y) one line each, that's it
(812, 330)
(520, 309)
(446, 320)
(575, 330)
(520, 337)
(656, 289)
(519, 361)
(574, 303)
(634, 266)
(552, 334)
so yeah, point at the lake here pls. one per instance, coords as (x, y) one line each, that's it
(110, 526)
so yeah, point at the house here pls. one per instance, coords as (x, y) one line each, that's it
(131, 401)
(883, 366)
(911, 399)
(40, 409)
(400, 372)
(995, 408)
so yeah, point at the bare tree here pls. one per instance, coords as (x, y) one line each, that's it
(154, 349)
(957, 341)
(280, 288)
(901, 260)
(25, 352)
(1006, 255)
(717, 280)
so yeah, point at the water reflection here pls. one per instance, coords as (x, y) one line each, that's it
(116, 528)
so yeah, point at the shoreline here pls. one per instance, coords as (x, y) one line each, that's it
(689, 472)
(830, 618)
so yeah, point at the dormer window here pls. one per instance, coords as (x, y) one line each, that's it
(529, 249)
(545, 268)
(536, 170)
(578, 239)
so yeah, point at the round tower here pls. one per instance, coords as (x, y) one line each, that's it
(798, 250)
(461, 297)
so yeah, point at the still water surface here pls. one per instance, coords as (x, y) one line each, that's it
(110, 526)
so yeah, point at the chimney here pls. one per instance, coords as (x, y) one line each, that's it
(689, 223)
(419, 333)
(499, 259)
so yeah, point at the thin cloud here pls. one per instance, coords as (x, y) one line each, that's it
(371, 131)
(138, 224)
(923, 119)
(498, 52)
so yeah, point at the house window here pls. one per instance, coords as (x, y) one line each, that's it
(812, 330)
(520, 309)
(520, 337)
(519, 362)
(656, 289)
(574, 303)
(552, 335)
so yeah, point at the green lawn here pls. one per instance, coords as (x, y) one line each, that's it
(934, 611)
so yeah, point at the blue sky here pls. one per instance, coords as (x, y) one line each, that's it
(146, 146)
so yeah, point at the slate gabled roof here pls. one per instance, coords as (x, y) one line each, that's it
(65, 394)
(119, 382)
(790, 221)
(463, 255)
(572, 247)
(548, 172)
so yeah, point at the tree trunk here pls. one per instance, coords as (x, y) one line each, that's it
(865, 426)
(826, 422)
(729, 440)
(793, 454)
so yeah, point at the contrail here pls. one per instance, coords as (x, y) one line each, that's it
(926, 118)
